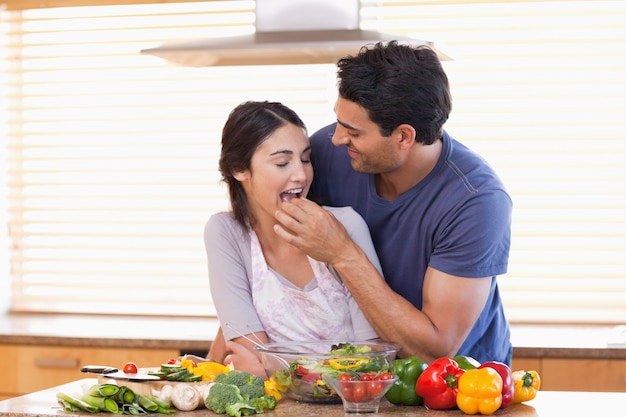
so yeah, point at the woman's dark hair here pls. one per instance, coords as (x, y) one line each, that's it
(248, 125)
(398, 84)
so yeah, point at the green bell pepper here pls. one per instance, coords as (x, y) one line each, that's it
(466, 362)
(403, 390)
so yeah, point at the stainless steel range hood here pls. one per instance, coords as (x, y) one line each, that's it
(287, 32)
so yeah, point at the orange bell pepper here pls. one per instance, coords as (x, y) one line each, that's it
(480, 391)
(527, 383)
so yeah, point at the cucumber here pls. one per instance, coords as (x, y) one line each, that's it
(179, 376)
(169, 368)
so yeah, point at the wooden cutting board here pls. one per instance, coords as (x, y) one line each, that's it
(145, 387)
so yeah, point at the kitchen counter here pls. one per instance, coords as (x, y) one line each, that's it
(546, 404)
(196, 334)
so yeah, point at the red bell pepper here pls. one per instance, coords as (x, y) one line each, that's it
(438, 384)
(508, 385)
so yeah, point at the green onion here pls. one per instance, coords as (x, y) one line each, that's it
(107, 404)
(74, 402)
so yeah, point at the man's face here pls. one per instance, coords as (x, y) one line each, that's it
(369, 151)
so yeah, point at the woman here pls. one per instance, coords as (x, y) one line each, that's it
(263, 288)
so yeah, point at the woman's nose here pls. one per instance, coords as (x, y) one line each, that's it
(299, 172)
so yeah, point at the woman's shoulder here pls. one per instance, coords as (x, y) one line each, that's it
(221, 223)
(346, 215)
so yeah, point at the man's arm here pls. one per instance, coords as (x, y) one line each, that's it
(451, 304)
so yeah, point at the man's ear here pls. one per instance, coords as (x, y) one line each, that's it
(241, 176)
(407, 134)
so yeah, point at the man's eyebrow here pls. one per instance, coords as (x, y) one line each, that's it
(346, 125)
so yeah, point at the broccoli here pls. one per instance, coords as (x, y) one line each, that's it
(239, 393)
(250, 391)
(265, 402)
(221, 395)
(240, 409)
(234, 377)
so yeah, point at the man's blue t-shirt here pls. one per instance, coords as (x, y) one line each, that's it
(456, 220)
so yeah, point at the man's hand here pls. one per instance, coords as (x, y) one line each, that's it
(313, 230)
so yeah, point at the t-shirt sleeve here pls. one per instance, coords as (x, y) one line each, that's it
(475, 240)
(228, 256)
(358, 231)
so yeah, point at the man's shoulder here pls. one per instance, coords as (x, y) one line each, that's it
(325, 133)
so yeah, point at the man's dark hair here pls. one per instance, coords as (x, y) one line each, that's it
(398, 84)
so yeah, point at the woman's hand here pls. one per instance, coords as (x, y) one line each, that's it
(243, 359)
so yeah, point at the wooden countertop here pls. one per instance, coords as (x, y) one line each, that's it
(196, 334)
(546, 404)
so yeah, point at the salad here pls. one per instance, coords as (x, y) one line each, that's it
(303, 378)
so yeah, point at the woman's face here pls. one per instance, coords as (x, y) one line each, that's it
(280, 170)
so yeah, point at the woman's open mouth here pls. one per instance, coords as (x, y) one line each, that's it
(288, 195)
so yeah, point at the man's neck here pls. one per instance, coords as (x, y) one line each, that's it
(420, 161)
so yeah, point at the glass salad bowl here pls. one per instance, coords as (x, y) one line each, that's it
(361, 392)
(298, 368)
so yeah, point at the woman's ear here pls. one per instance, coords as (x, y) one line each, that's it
(241, 176)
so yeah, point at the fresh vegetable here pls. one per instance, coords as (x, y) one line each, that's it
(71, 404)
(241, 379)
(130, 368)
(347, 363)
(207, 371)
(185, 397)
(527, 383)
(466, 362)
(438, 384)
(403, 391)
(265, 402)
(508, 386)
(107, 404)
(238, 393)
(222, 395)
(349, 348)
(274, 388)
(114, 399)
(480, 391)
(362, 388)
(240, 409)
(175, 372)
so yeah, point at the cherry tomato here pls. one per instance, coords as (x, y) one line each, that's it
(171, 361)
(367, 377)
(344, 377)
(359, 392)
(130, 368)
(374, 388)
(346, 391)
(385, 376)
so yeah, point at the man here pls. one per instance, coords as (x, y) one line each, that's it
(439, 216)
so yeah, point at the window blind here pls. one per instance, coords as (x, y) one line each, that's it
(112, 156)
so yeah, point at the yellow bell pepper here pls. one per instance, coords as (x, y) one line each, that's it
(527, 383)
(272, 387)
(207, 370)
(347, 363)
(480, 391)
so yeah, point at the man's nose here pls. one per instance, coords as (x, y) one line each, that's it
(340, 137)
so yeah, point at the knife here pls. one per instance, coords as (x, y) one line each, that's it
(111, 372)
